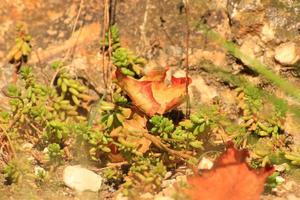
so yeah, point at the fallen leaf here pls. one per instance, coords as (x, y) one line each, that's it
(133, 130)
(131, 133)
(151, 94)
(230, 179)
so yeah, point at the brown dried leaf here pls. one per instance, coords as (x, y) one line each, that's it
(230, 179)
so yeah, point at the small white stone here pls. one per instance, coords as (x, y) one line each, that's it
(279, 179)
(27, 146)
(205, 164)
(81, 179)
(286, 53)
(39, 170)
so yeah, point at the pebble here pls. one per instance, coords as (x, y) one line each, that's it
(27, 146)
(205, 164)
(52, 32)
(287, 54)
(81, 179)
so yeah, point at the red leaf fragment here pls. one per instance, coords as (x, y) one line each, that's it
(229, 179)
(151, 94)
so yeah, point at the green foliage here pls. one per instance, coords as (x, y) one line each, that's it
(113, 115)
(12, 172)
(128, 63)
(4, 117)
(56, 132)
(41, 175)
(96, 141)
(120, 99)
(281, 106)
(55, 153)
(252, 63)
(113, 176)
(71, 88)
(273, 181)
(50, 115)
(185, 136)
(127, 149)
(145, 174)
(122, 58)
(58, 64)
(293, 157)
(22, 48)
(114, 38)
(162, 126)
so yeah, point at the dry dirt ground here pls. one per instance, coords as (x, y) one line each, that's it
(155, 29)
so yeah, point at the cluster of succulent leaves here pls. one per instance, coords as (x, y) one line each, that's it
(273, 181)
(48, 117)
(145, 174)
(95, 140)
(265, 135)
(11, 173)
(112, 114)
(112, 38)
(128, 63)
(71, 88)
(185, 136)
(37, 103)
(123, 58)
(22, 48)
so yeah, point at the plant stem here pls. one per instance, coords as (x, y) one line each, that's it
(188, 105)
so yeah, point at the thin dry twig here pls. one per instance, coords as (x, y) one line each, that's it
(73, 29)
(9, 141)
(183, 155)
(104, 31)
(188, 104)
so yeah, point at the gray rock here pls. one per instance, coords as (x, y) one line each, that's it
(81, 179)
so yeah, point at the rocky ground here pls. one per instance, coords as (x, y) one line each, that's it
(156, 29)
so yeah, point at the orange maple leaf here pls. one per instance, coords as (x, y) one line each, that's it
(151, 94)
(229, 179)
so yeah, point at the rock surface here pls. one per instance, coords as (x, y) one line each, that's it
(287, 54)
(81, 179)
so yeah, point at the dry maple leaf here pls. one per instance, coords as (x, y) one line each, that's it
(229, 179)
(151, 94)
